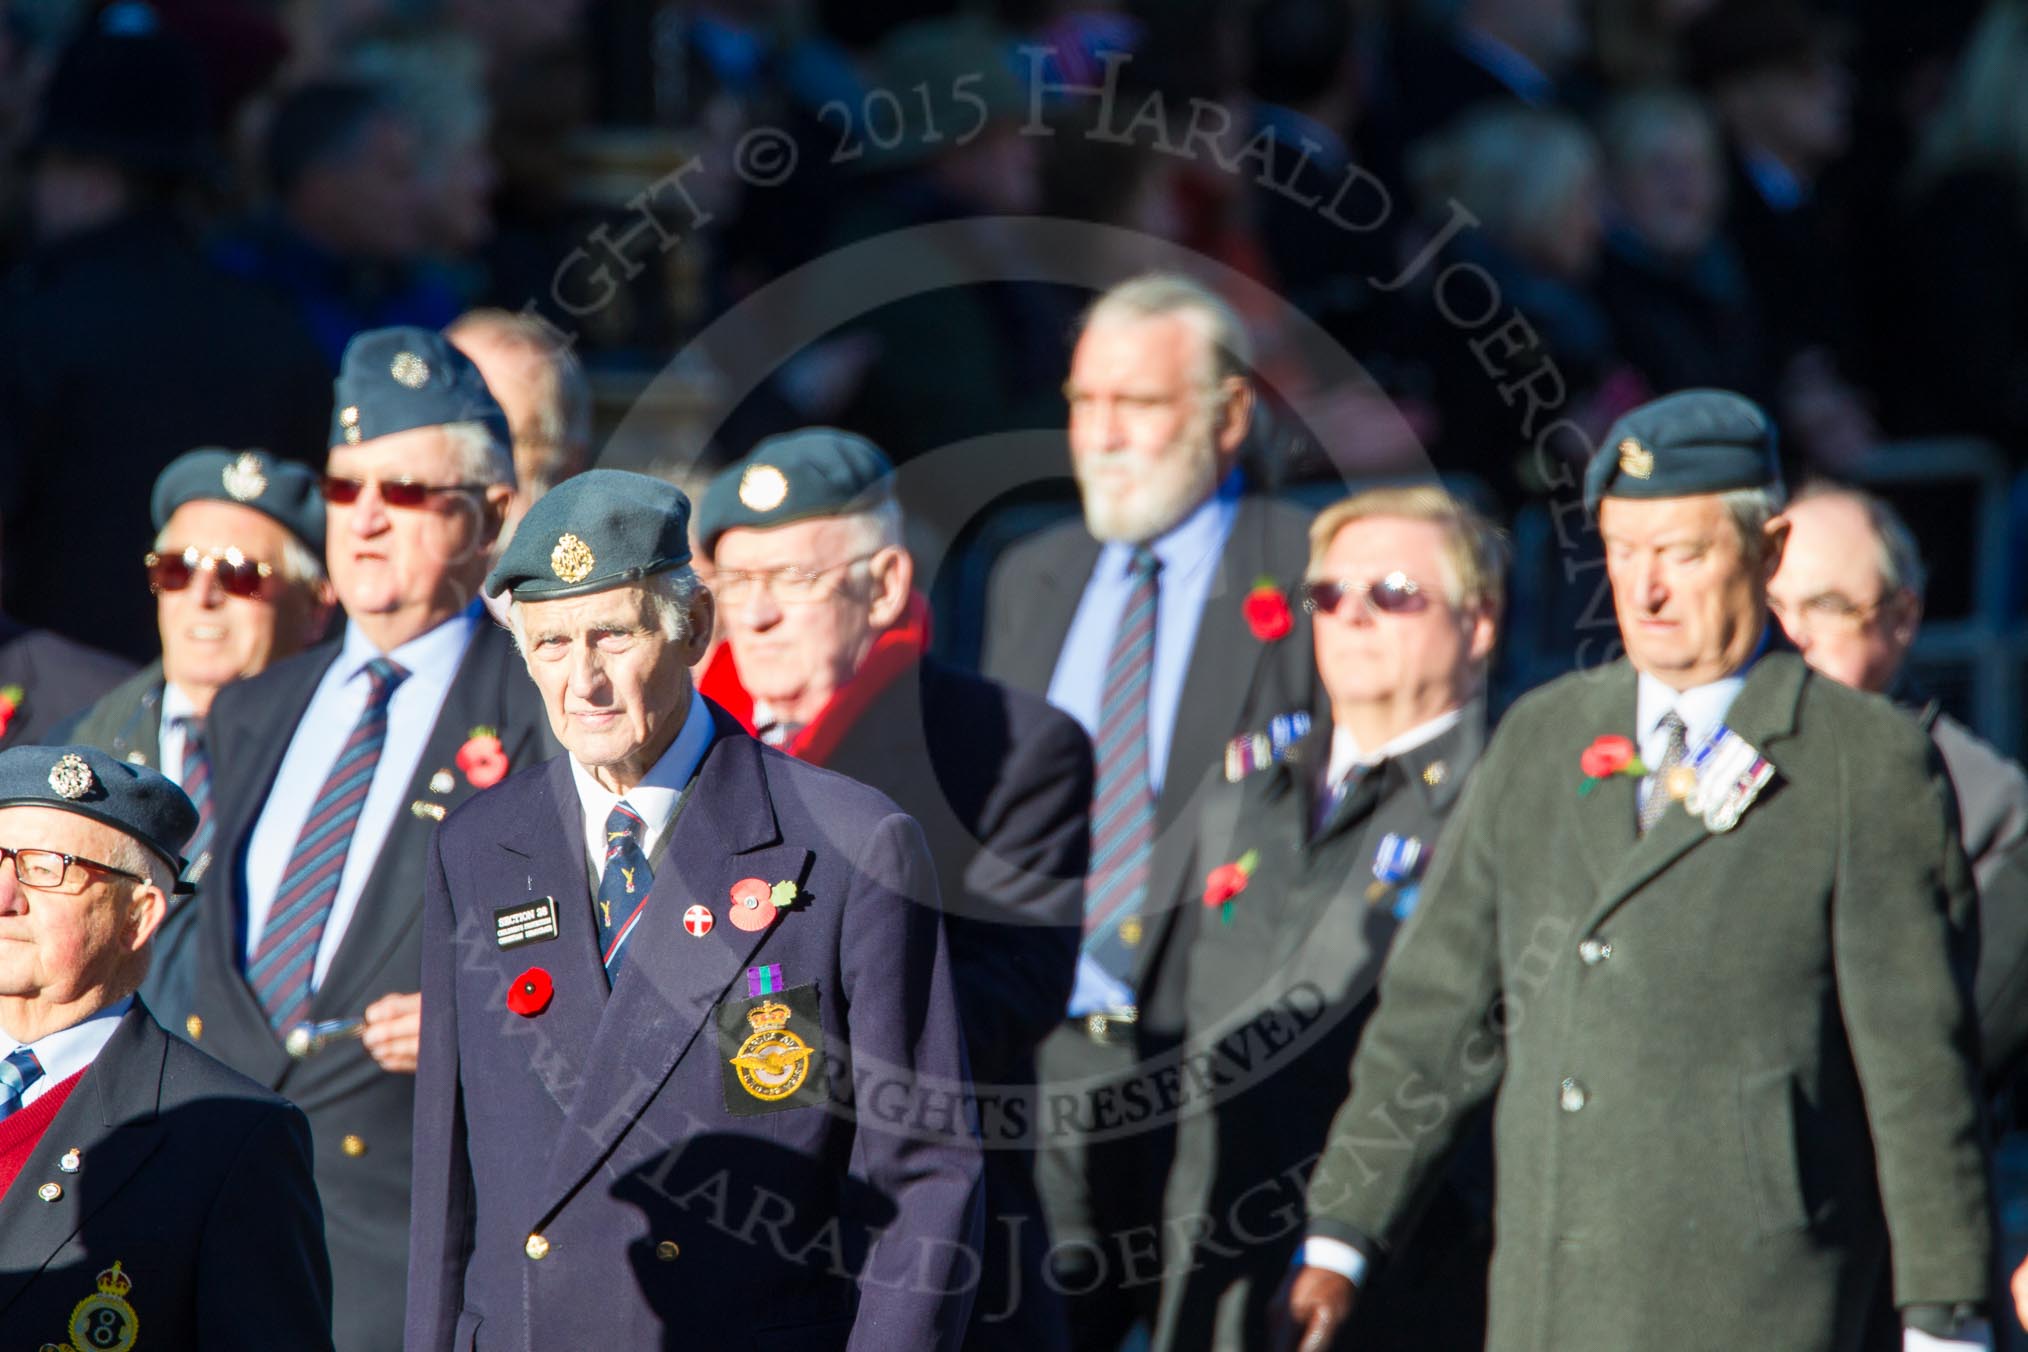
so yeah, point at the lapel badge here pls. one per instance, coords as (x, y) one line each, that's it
(49, 1192)
(1636, 459)
(1435, 773)
(572, 559)
(71, 1162)
(106, 1321)
(698, 921)
(71, 777)
(1680, 782)
(428, 811)
(783, 894)
(530, 993)
(245, 478)
(1130, 931)
(763, 488)
(443, 781)
(751, 908)
(773, 1062)
(137, 758)
(410, 370)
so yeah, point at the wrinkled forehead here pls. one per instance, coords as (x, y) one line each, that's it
(622, 607)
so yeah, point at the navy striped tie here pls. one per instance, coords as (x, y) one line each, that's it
(623, 883)
(287, 955)
(197, 784)
(18, 1072)
(1123, 801)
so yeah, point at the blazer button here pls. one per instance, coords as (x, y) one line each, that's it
(537, 1248)
(1594, 951)
(668, 1251)
(353, 1146)
(1572, 1097)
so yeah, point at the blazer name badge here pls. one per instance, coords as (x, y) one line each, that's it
(526, 923)
(770, 1045)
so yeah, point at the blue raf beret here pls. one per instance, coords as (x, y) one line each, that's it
(395, 380)
(282, 489)
(131, 799)
(599, 529)
(815, 471)
(1695, 442)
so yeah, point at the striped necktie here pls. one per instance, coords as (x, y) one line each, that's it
(287, 956)
(623, 884)
(197, 784)
(1678, 750)
(1123, 801)
(18, 1072)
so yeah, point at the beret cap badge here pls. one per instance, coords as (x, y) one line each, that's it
(572, 559)
(762, 488)
(245, 478)
(1636, 459)
(410, 370)
(71, 777)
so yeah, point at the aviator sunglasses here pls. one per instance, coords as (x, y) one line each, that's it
(237, 574)
(1395, 594)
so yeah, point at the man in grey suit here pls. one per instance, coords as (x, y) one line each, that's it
(1162, 623)
(1702, 933)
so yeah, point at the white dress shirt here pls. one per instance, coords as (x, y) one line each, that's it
(431, 661)
(654, 799)
(1345, 752)
(176, 707)
(67, 1051)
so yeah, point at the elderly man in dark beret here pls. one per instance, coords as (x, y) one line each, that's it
(691, 1068)
(333, 768)
(237, 569)
(142, 1184)
(825, 651)
(1702, 932)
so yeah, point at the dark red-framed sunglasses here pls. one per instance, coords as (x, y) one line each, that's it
(1395, 594)
(237, 574)
(393, 492)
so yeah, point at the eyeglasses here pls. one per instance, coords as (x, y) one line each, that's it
(53, 871)
(237, 574)
(393, 492)
(790, 584)
(1395, 594)
(1826, 612)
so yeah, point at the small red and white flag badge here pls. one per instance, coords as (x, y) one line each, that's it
(1227, 881)
(753, 905)
(698, 921)
(529, 994)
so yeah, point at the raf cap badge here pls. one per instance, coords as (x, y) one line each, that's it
(762, 488)
(348, 418)
(572, 559)
(410, 370)
(71, 777)
(245, 478)
(770, 1044)
(1636, 459)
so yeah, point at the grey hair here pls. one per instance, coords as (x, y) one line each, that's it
(481, 457)
(877, 526)
(1161, 295)
(1751, 509)
(297, 565)
(1899, 557)
(669, 598)
(132, 856)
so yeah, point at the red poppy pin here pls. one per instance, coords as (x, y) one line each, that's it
(529, 995)
(11, 697)
(1227, 881)
(1267, 611)
(1608, 756)
(482, 758)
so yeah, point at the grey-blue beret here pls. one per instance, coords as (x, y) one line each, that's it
(395, 380)
(814, 471)
(1698, 441)
(599, 529)
(282, 489)
(131, 799)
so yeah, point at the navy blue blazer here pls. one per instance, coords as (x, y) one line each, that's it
(597, 1174)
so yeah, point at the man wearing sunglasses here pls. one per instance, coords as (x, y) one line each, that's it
(332, 770)
(827, 654)
(144, 1187)
(1701, 934)
(1136, 623)
(237, 570)
(1404, 588)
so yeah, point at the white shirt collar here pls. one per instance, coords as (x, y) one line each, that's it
(67, 1051)
(654, 799)
(1345, 752)
(176, 704)
(435, 651)
(1702, 707)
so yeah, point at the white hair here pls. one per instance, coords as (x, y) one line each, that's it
(297, 564)
(132, 856)
(1751, 509)
(1162, 295)
(480, 455)
(554, 443)
(667, 595)
(876, 527)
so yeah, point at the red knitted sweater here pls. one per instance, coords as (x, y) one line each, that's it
(21, 1133)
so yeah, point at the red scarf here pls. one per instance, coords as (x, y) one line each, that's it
(894, 654)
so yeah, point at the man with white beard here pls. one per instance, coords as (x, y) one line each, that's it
(1162, 623)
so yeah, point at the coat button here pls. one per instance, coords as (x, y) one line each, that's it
(537, 1248)
(353, 1146)
(668, 1251)
(1594, 951)
(1571, 1099)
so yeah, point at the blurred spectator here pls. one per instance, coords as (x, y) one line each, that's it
(1671, 282)
(542, 389)
(438, 83)
(119, 347)
(1639, 42)
(1961, 355)
(1491, 51)
(349, 223)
